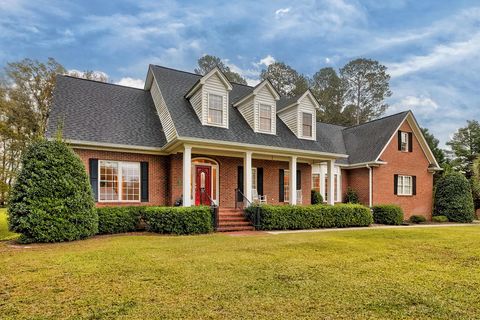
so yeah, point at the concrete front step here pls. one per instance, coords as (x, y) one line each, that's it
(233, 223)
(235, 228)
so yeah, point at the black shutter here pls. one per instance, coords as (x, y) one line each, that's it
(399, 140)
(260, 181)
(281, 191)
(144, 181)
(414, 185)
(410, 140)
(240, 182)
(299, 180)
(395, 184)
(93, 167)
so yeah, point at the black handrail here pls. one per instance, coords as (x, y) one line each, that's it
(213, 207)
(255, 218)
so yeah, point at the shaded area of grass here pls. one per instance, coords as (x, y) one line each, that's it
(367, 274)
(4, 233)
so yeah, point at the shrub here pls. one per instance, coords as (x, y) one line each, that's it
(453, 198)
(439, 219)
(417, 219)
(316, 197)
(52, 200)
(178, 220)
(387, 214)
(351, 196)
(119, 219)
(287, 217)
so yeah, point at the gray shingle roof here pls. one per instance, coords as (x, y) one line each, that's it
(102, 112)
(364, 142)
(175, 84)
(106, 113)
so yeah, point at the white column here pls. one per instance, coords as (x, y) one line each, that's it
(293, 180)
(247, 175)
(331, 182)
(187, 176)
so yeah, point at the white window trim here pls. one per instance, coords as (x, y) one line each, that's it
(217, 124)
(301, 126)
(322, 171)
(401, 187)
(120, 177)
(259, 118)
(406, 135)
(254, 181)
(286, 193)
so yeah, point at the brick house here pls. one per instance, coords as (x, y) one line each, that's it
(193, 139)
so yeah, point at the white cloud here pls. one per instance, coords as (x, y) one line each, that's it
(95, 75)
(420, 105)
(281, 12)
(268, 60)
(131, 82)
(327, 60)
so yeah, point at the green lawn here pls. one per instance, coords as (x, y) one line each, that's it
(367, 274)
(4, 233)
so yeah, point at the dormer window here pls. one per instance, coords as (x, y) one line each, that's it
(265, 117)
(215, 109)
(307, 123)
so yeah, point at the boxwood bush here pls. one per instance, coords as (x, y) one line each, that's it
(387, 214)
(119, 219)
(178, 220)
(417, 219)
(316, 197)
(453, 198)
(439, 219)
(52, 200)
(286, 217)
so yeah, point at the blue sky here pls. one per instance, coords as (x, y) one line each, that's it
(431, 48)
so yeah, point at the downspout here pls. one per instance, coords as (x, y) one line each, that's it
(370, 185)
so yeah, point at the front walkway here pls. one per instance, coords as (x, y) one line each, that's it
(476, 223)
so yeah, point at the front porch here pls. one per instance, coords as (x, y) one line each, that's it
(204, 174)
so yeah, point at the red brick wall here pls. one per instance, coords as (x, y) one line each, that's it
(357, 179)
(157, 167)
(412, 163)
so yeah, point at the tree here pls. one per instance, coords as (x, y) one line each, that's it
(453, 198)
(465, 145)
(327, 87)
(286, 80)
(208, 62)
(433, 144)
(52, 199)
(367, 86)
(90, 75)
(475, 182)
(33, 82)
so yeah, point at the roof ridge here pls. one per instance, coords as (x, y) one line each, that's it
(332, 124)
(199, 75)
(383, 118)
(97, 81)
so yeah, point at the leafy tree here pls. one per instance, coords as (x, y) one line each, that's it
(453, 198)
(433, 144)
(367, 86)
(208, 62)
(475, 182)
(51, 199)
(89, 74)
(286, 80)
(465, 145)
(33, 83)
(327, 87)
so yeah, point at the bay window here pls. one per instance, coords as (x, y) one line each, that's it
(119, 181)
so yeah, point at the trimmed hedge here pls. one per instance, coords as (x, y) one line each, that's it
(287, 217)
(387, 214)
(178, 220)
(52, 200)
(453, 198)
(417, 219)
(119, 219)
(439, 219)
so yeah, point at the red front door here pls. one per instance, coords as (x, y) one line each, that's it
(203, 185)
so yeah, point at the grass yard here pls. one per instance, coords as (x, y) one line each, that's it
(4, 233)
(367, 274)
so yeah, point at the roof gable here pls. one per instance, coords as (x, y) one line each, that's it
(215, 71)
